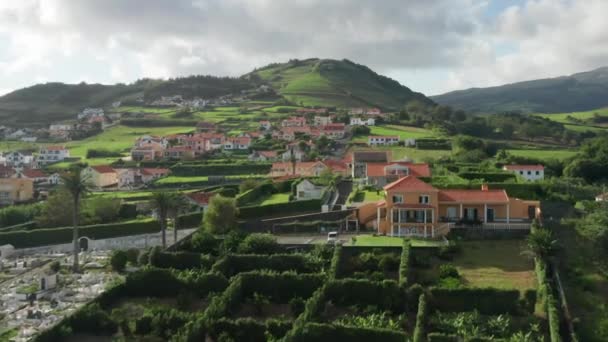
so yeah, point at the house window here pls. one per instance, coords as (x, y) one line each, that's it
(424, 199)
(529, 173)
(452, 212)
(537, 173)
(521, 172)
(397, 198)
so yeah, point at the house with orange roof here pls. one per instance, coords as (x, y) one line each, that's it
(100, 176)
(200, 199)
(147, 153)
(527, 172)
(36, 175)
(333, 130)
(237, 143)
(178, 152)
(412, 207)
(294, 121)
(304, 169)
(263, 156)
(380, 174)
(16, 190)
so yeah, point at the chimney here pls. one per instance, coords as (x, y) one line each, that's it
(484, 187)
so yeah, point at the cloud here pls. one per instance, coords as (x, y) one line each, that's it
(453, 42)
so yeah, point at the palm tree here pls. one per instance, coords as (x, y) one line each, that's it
(162, 202)
(541, 243)
(77, 185)
(178, 205)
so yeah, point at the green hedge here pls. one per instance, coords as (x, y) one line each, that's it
(386, 295)
(283, 209)
(155, 282)
(334, 268)
(190, 220)
(252, 195)
(248, 329)
(233, 264)
(488, 176)
(404, 264)
(306, 226)
(326, 332)
(488, 301)
(53, 236)
(440, 337)
(280, 287)
(553, 318)
(420, 329)
(183, 170)
(180, 260)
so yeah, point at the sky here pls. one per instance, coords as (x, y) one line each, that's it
(431, 46)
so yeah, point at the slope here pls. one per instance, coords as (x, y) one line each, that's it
(579, 92)
(326, 82)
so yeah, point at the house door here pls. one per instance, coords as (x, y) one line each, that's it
(490, 215)
(531, 212)
(470, 214)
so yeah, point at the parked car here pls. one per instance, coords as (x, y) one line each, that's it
(332, 237)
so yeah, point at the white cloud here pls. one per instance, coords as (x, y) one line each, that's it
(410, 40)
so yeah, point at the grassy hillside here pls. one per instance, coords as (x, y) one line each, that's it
(593, 120)
(324, 82)
(578, 92)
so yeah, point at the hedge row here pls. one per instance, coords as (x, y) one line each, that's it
(252, 195)
(248, 329)
(233, 264)
(284, 209)
(334, 268)
(327, 332)
(421, 316)
(387, 295)
(280, 287)
(180, 260)
(488, 176)
(488, 301)
(220, 169)
(404, 264)
(53, 236)
(156, 282)
(190, 220)
(157, 123)
(441, 337)
(553, 318)
(306, 226)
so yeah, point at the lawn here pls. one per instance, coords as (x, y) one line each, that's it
(389, 241)
(543, 154)
(404, 132)
(495, 263)
(271, 199)
(368, 196)
(172, 180)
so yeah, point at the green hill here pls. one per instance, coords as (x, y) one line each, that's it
(326, 82)
(308, 82)
(579, 92)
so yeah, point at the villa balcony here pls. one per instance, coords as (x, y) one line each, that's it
(497, 223)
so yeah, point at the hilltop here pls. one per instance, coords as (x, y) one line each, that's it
(578, 92)
(327, 82)
(311, 82)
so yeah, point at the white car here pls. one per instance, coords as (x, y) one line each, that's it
(332, 237)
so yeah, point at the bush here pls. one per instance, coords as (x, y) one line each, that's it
(326, 332)
(404, 264)
(334, 268)
(19, 214)
(91, 319)
(259, 243)
(205, 242)
(55, 266)
(132, 255)
(118, 260)
(247, 330)
(180, 260)
(255, 193)
(448, 271)
(143, 258)
(495, 177)
(297, 305)
(52, 236)
(387, 295)
(102, 153)
(190, 220)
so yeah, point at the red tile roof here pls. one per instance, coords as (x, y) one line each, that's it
(409, 183)
(537, 167)
(201, 198)
(335, 165)
(54, 148)
(103, 169)
(155, 171)
(268, 154)
(474, 196)
(417, 170)
(33, 173)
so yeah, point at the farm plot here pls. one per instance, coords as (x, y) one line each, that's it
(370, 263)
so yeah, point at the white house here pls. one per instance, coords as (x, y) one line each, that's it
(322, 120)
(265, 125)
(362, 122)
(19, 159)
(237, 143)
(52, 154)
(307, 190)
(527, 172)
(90, 112)
(376, 140)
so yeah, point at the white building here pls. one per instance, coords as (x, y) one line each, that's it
(527, 172)
(362, 122)
(307, 190)
(90, 113)
(19, 159)
(376, 140)
(52, 154)
(322, 120)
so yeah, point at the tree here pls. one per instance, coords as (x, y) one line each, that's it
(118, 260)
(220, 216)
(57, 210)
(177, 206)
(541, 243)
(259, 243)
(161, 201)
(247, 185)
(77, 186)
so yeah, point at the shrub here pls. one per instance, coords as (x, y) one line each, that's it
(233, 264)
(118, 260)
(205, 242)
(297, 305)
(93, 320)
(143, 258)
(387, 295)
(55, 266)
(404, 263)
(327, 332)
(334, 268)
(420, 329)
(259, 243)
(180, 260)
(448, 271)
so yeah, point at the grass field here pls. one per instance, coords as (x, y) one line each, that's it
(172, 180)
(271, 199)
(404, 132)
(584, 116)
(389, 241)
(368, 196)
(495, 263)
(543, 154)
